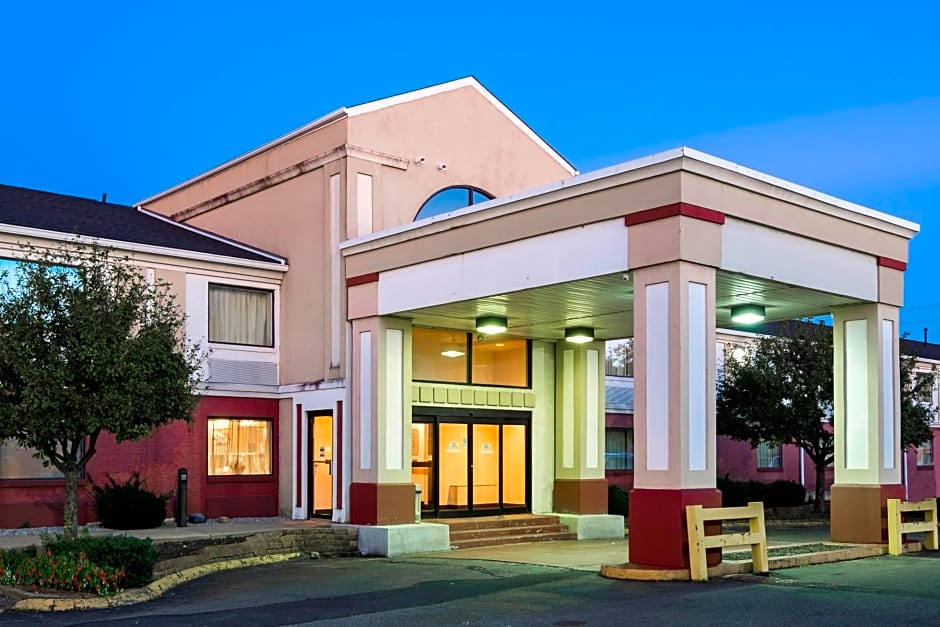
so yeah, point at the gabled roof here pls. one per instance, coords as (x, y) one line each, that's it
(70, 215)
(376, 105)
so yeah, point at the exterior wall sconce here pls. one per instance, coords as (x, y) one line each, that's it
(579, 335)
(490, 325)
(747, 314)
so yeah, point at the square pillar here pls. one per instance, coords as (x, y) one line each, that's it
(866, 421)
(580, 486)
(381, 492)
(674, 409)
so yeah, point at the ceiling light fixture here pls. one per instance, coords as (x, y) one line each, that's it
(452, 353)
(748, 314)
(490, 325)
(579, 335)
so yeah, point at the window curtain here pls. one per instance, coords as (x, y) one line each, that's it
(239, 447)
(241, 316)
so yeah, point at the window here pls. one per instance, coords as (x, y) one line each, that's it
(239, 446)
(925, 454)
(922, 391)
(18, 462)
(458, 357)
(620, 358)
(618, 453)
(451, 199)
(769, 456)
(239, 315)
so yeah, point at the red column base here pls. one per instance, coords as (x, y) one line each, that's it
(658, 534)
(859, 513)
(381, 503)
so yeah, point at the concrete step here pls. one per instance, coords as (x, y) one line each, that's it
(497, 532)
(519, 539)
(495, 522)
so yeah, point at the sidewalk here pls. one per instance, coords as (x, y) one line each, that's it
(172, 533)
(592, 554)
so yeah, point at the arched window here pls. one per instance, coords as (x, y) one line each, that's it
(451, 199)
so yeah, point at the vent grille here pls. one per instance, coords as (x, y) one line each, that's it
(242, 372)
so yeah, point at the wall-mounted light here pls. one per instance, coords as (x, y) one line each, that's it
(452, 353)
(747, 314)
(579, 335)
(490, 325)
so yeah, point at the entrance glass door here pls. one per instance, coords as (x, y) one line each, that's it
(320, 472)
(471, 465)
(453, 490)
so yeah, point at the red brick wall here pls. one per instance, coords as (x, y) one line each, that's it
(39, 502)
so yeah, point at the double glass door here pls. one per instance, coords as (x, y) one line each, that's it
(471, 465)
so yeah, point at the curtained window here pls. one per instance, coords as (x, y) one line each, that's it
(239, 315)
(239, 446)
(618, 453)
(925, 454)
(769, 456)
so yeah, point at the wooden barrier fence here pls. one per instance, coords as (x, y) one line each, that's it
(755, 537)
(897, 527)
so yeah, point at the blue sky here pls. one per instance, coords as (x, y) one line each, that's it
(130, 98)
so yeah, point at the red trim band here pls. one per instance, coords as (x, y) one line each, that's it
(675, 209)
(362, 279)
(894, 264)
(338, 454)
(300, 452)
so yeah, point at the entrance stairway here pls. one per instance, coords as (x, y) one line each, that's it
(467, 533)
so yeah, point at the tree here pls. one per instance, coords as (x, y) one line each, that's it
(89, 345)
(781, 392)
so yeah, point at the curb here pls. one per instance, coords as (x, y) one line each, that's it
(149, 592)
(635, 572)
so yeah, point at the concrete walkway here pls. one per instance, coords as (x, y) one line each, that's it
(592, 554)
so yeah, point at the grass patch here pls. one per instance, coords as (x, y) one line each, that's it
(783, 551)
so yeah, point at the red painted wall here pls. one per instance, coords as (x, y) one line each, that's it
(738, 461)
(39, 502)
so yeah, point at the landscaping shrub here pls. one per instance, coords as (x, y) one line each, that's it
(62, 572)
(777, 494)
(784, 494)
(134, 556)
(129, 505)
(618, 501)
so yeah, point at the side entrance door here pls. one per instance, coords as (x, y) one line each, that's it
(320, 467)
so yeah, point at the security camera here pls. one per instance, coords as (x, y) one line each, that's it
(442, 167)
(420, 160)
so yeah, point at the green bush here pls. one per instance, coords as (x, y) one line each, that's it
(129, 505)
(11, 559)
(780, 493)
(135, 556)
(784, 494)
(618, 501)
(63, 572)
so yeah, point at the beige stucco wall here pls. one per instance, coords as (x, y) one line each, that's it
(289, 219)
(460, 128)
(319, 142)
(288, 214)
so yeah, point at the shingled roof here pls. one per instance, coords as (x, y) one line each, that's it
(71, 215)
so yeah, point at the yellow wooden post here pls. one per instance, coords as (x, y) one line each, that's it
(931, 540)
(698, 565)
(759, 558)
(895, 539)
